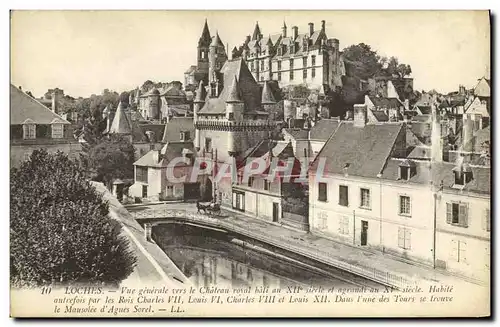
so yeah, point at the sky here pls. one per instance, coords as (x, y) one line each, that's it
(85, 52)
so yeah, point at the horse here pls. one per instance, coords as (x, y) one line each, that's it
(214, 208)
(202, 207)
(210, 208)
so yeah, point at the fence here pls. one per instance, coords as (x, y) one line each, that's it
(286, 243)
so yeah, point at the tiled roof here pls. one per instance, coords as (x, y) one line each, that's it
(216, 41)
(380, 115)
(323, 129)
(422, 118)
(173, 150)
(249, 89)
(389, 103)
(173, 91)
(121, 123)
(425, 110)
(297, 133)
(267, 95)
(158, 130)
(363, 151)
(422, 173)
(205, 36)
(23, 107)
(480, 183)
(234, 92)
(177, 125)
(420, 152)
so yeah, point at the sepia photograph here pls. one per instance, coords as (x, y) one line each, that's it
(263, 163)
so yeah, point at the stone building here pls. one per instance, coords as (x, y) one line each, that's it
(309, 58)
(211, 56)
(34, 126)
(229, 119)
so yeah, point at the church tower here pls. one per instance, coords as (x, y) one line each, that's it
(216, 58)
(203, 48)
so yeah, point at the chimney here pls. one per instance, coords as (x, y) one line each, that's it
(436, 139)
(323, 26)
(467, 134)
(295, 33)
(20, 87)
(311, 29)
(157, 156)
(461, 89)
(360, 117)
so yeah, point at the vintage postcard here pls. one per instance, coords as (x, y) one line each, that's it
(250, 164)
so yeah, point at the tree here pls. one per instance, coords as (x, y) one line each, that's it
(60, 231)
(361, 61)
(109, 159)
(395, 69)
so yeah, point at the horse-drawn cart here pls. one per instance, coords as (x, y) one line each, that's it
(211, 208)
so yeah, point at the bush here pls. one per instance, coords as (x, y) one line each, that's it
(60, 231)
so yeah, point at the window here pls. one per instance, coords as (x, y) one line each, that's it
(304, 74)
(458, 251)
(144, 191)
(279, 76)
(267, 185)
(257, 65)
(184, 136)
(291, 63)
(57, 131)
(213, 90)
(291, 75)
(279, 65)
(343, 195)
(313, 60)
(141, 174)
(404, 205)
(459, 178)
(322, 192)
(404, 173)
(251, 65)
(262, 66)
(304, 62)
(313, 72)
(344, 225)
(404, 238)
(305, 153)
(29, 131)
(208, 144)
(486, 220)
(250, 181)
(322, 220)
(230, 115)
(456, 214)
(365, 198)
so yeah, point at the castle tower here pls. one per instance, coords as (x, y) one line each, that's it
(256, 33)
(216, 58)
(203, 48)
(234, 112)
(154, 104)
(267, 98)
(198, 103)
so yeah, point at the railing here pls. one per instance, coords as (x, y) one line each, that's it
(286, 243)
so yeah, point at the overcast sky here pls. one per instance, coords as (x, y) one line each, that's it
(84, 52)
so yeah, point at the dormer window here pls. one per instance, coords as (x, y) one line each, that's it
(29, 130)
(407, 169)
(188, 156)
(184, 136)
(463, 174)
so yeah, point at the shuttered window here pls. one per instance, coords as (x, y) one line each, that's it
(404, 238)
(322, 192)
(458, 251)
(457, 214)
(343, 195)
(344, 225)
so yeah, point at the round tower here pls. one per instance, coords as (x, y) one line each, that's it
(234, 113)
(154, 104)
(198, 103)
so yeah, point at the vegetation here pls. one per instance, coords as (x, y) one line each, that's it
(60, 231)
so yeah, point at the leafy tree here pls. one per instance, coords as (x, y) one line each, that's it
(362, 61)
(109, 159)
(395, 69)
(60, 231)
